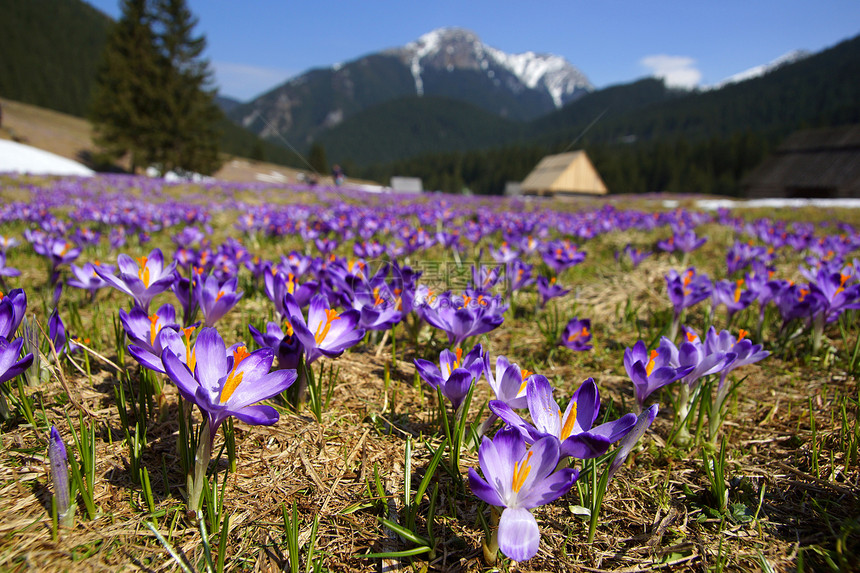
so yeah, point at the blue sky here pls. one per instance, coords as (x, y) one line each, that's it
(254, 46)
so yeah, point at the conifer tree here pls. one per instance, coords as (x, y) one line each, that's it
(125, 104)
(190, 137)
(153, 97)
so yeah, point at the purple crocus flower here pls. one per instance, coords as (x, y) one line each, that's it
(57, 332)
(462, 316)
(216, 299)
(684, 292)
(287, 347)
(733, 295)
(577, 334)
(635, 255)
(7, 243)
(504, 254)
(86, 278)
(508, 383)
(518, 479)
(686, 241)
(326, 332)
(222, 385)
(455, 374)
(651, 371)
(519, 275)
(744, 350)
(560, 255)
(13, 306)
(837, 291)
(142, 280)
(549, 289)
(150, 335)
(10, 365)
(644, 421)
(6, 271)
(574, 428)
(60, 476)
(692, 352)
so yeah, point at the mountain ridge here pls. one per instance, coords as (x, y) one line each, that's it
(447, 62)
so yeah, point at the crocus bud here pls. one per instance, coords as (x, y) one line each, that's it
(626, 446)
(60, 476)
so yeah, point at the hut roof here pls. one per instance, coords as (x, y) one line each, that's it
(564, 173)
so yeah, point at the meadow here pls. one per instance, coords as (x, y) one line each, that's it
(225, 376)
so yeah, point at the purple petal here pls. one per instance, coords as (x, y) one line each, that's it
(544, 410)
(519, 536)
(211, 360)
(549, 489)
(253, 391)
(259, 415)
(483, 490)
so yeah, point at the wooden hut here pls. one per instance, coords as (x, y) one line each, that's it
(813, 163)
(564, 174)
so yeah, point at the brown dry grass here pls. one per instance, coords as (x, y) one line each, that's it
(655, 516)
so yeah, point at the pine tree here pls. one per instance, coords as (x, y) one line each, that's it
(317, 158)
(125, 104)
(189, 132)
(153, 98)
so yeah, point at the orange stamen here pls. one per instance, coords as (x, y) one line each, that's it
(190, 355)
(521, 472)
(143, 272)
(153, 328)
(650, 366)
(741, 334)
(322, 330)
(233, 380)
(568, 424)
(740, 283)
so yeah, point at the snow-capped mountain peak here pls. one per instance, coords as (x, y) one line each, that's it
(461, 49)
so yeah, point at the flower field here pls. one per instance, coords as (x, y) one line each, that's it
(220, 376)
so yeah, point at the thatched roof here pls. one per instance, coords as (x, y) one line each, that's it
(565, 173)
(811, 163)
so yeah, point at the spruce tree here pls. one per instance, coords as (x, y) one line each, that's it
(189, 132)
(153, 97)
(126, 101)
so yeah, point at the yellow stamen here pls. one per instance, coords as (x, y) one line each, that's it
(521, 472)
(143, 272)
(153, 328)
(459, 353)
(322, 330)
(525, 374)
(190, 355)
(842, 280)
(650, 367)
(740, 283)
(289, 327)
(233, 380)
(568, 424)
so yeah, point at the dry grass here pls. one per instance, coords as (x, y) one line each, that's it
(656, 515)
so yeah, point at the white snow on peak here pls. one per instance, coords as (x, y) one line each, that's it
(20, 158)
(552, 72)
(757, 71)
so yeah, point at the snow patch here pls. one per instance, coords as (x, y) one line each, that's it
(714, 204)
(20, 158)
